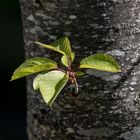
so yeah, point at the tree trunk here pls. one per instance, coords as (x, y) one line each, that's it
(107, 107)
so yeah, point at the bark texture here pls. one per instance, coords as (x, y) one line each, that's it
(107, 107)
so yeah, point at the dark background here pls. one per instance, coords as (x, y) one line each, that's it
(12, 94)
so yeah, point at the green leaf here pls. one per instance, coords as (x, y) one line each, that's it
(36, 81)
(50, 47)
(33, 65)
(64, 59)
(103, 62)
(62, 46)
(79, 73)
(50, 85)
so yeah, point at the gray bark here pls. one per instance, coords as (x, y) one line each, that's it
(107, 107)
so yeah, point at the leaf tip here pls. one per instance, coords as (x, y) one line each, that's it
(12, 79)
(38, 43)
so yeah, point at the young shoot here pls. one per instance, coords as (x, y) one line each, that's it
(53, 79)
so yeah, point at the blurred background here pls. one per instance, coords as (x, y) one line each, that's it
(12, 94)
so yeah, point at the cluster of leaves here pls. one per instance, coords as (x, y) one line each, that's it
(53, 79)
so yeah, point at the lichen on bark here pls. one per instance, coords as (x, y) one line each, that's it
(107, 107)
